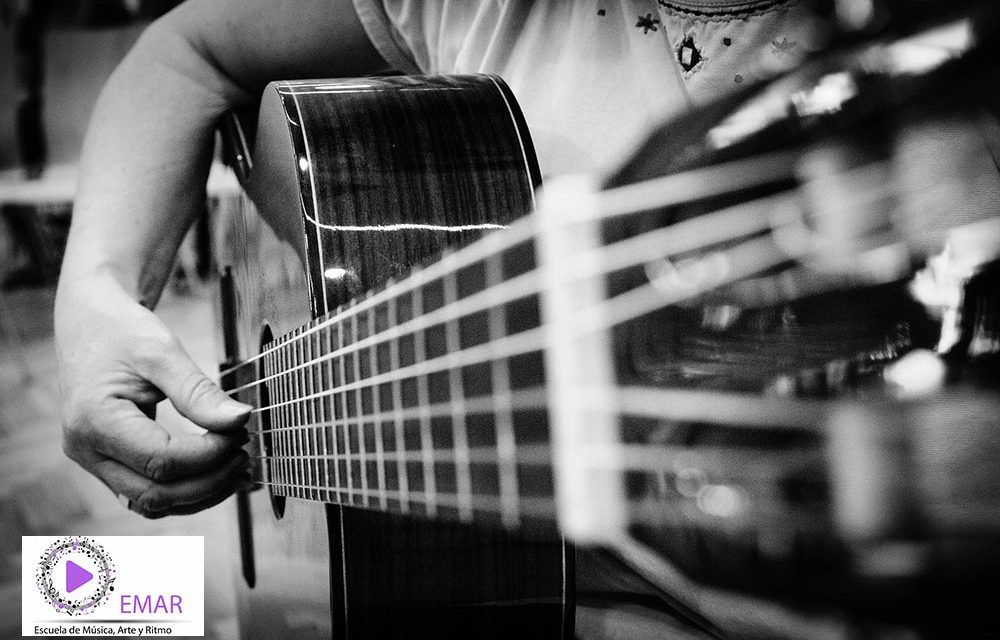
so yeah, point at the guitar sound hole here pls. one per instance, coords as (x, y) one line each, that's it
(267, 442)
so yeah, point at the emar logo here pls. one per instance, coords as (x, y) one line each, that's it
(75, 575)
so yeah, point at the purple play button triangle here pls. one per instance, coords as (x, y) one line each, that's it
(76, 576)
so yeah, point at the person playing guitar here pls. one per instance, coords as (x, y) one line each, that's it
(591, 77)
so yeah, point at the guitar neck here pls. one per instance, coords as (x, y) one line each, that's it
(426, 397)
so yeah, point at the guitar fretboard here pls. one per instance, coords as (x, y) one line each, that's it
(427, 401)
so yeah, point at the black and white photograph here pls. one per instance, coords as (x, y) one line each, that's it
(500, 319)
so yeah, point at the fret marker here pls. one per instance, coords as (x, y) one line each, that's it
(335, 273)
(303, 165)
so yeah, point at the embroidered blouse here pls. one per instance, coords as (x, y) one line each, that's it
(593, 75)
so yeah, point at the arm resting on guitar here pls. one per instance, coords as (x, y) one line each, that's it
(144, 165)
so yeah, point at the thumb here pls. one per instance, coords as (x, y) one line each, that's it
(194, 395)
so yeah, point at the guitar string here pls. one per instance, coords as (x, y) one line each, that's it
(733, 409)
(488, 246)
(757, 256)
(660, 302)
(545, 509)
(726, 224)
(533, 455)
(688, 186)
(615, 310)
(753, 463)
(667, 404)
(506, 346)
(543, 506)
(768, 512)
(685, 236)
(739, 410)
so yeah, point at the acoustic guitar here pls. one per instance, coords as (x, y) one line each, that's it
(687, 370)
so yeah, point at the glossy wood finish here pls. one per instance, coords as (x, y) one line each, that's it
(411, 166)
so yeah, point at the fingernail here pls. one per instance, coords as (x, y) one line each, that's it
(236, 408)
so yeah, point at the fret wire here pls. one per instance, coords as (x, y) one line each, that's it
(283, 414)
(511, 345)
(304, 418)
(310, 410)
(257, 436)
(324, 383)
(521, 399)
(292, 422)
(290, 356)
(330, 402)
(423, 399)
(506, 445)
(287, 415)
(463, 472)
(359, 428)
(306, 434)
(276, 391)
(280, 416)
(317, 408)
(537, 507)
(296, 417)
(314, 413)
(376, 406)
(349, 476)
(300, 418)
(398, 415)
(273, 392)
(307, 417)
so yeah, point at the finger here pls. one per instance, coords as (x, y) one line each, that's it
(145, 447)
(192, 393)
(150, 498)
(188, 509)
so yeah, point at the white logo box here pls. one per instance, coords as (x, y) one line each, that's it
(153, 586)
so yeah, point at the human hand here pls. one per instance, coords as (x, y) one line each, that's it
(117, 360)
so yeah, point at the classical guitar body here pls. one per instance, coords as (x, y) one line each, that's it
(350, 183)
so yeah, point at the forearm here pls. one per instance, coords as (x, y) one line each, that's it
(142, 180)
(144, 163)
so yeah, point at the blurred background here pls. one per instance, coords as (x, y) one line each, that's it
(54, 59)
